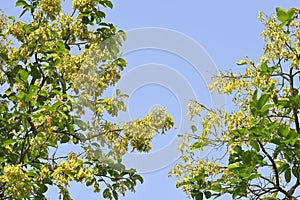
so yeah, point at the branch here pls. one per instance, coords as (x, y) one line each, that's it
(295, 111)
(277, 185)
(294, 187)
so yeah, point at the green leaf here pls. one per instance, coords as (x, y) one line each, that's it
(115, 194)
(42, 189)
(56, 105)
(60, 46)
(216, 187)
(82, 125)
(296, 171)
(100, 14)
(254, 96)
(118, 92)
(287, 175)
(291, 12)
(282, 15)
(283, 131)
(262, 100)
(242, 62)
(8, 142)
(23, 12)
(28, 28)
(21, 3)
(198, 196)
(35, 73)
(283, 168)
(265, 109)
(138, 177)
(2, 160)
(207, 194)
(194, 128)
(255, 145)
(107, 4)
(85, 20)
(3, 56)
(234, 166)
(12, 18)
(264, 69)
(23, 75)
(65, 139)
(90, 182)
(106, 194)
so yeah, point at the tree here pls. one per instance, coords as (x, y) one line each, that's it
(257, 146)
(54, 68)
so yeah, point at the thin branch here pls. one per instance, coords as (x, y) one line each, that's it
(277, 185)
(295, 111)
(294, 187)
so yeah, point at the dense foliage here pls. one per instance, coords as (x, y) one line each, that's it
(55, 65)
(260, 141)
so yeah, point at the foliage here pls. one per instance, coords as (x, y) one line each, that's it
(259, 141)
(54, 67)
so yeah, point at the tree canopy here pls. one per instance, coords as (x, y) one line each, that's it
(257, 146)
(55, 64)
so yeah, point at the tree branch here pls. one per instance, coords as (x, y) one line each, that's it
(277, 185)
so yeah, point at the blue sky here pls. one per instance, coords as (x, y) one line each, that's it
(227, 31)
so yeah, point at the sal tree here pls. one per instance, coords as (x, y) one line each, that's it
(256, 148)
(54, 67)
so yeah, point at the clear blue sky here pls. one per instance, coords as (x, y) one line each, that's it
(227, 30)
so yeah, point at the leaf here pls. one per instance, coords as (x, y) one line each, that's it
(262, 100)
(21, 3)
(12, 18)
(207, 194)
(35, 73)
(23, 12)
(283, 131)
(85, 20)
(60, 46)
(115, 194)
(234, 166)
(291, 12)
(194, 128)
(82, 125)
(283, 168)
(296, 171)
(90, 182)
(216, 187)
(118, 92)
(28, 28)
(282, 15)
(56, 105)
(287, 175)
(254, 96)
(108, 4)
(42, 189)
(8, 142)
(106, 194)
(263, 69)
(138, 177)
(3, 56)
(65, 139)
(198, 196)
(255, 145)
(23, 75)
(265, 109)
(242, 62)
(2, 160)
(100, 14)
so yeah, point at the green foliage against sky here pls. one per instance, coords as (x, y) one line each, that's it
(54, 66)
(261, 139)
